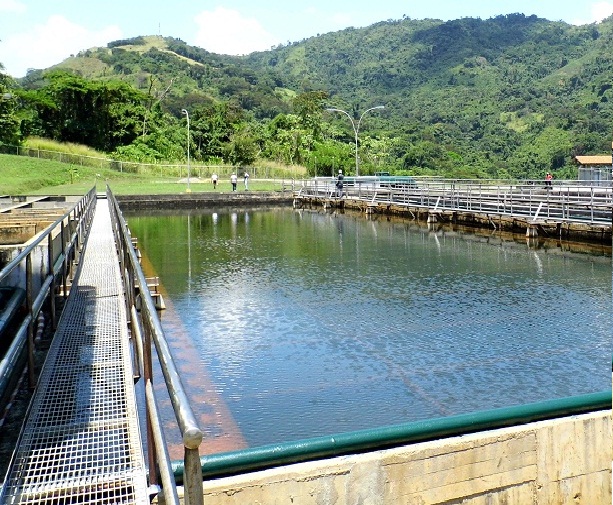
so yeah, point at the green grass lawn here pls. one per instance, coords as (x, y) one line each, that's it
(20, 175)
(149, 187)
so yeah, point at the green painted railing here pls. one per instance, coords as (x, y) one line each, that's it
(418, 431)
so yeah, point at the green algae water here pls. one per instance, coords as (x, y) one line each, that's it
(310, 323)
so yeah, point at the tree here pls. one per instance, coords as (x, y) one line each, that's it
(286, 141)
(309, 107)
(213, 125)
(103, 115)
(424, 154)
(242, 149)
(9, 121)
(548, 151)
(328, 157)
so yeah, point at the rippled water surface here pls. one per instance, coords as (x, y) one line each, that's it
(306, 323)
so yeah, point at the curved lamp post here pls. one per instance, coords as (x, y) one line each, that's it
(188, 190)
(356, 129)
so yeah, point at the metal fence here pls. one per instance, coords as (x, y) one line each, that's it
(176, 170)
(589, 176)
(563, 201)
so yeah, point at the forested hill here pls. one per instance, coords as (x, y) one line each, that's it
(511, 95)
(398, 56)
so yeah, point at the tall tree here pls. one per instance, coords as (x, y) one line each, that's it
(309, 106)
(103, 115)
(213, 125)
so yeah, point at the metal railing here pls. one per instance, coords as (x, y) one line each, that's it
(147, 332)
(259, 458)
(562, 202)
(41, 269)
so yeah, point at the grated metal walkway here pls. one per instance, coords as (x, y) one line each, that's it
(81, 442)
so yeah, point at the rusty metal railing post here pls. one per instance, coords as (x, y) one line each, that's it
(192, 478)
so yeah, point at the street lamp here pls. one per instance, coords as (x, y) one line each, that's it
(356, 129)
(184, 111)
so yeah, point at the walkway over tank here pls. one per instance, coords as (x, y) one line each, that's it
(81, 441)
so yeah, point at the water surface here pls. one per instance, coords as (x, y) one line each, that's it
(308, 323)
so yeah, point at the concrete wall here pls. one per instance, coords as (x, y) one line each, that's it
(562, 461)
(205, 200)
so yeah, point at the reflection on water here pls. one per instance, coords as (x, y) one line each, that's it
(310, 323)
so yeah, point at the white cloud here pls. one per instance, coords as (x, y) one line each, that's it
(12, 6)
(49, 44)
(601, 10)
(598, 12)
(226, 31)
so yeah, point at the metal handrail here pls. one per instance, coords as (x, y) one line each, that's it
(147, 329)
(285, 453)
(56, 267)
(565, 202)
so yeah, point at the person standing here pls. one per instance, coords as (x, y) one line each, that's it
(339, 184)
(548, 179)
(246, 180)
(214, 180)
(233, 180)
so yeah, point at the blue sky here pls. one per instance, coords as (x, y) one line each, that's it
(41, 33)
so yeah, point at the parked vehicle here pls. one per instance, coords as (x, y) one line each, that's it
(396, 181)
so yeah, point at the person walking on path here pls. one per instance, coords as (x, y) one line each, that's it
(233, 180)
(246, 180)
(214, 180)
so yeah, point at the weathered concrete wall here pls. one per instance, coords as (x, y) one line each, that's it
(543, 227)
(204, 200)
(562, 461)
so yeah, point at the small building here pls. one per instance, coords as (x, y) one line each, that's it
(595, 170)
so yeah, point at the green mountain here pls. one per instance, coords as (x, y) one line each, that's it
(181, 74)
(512, 95)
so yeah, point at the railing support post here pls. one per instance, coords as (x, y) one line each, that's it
(192, 478)
(148, 373)
(29, 300)
(65, 259)
(50, 272)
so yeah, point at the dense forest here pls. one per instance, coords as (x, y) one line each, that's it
(510, 96)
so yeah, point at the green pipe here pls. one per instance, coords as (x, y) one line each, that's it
(257, 458)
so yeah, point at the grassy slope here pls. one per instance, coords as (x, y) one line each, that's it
(21, 175)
